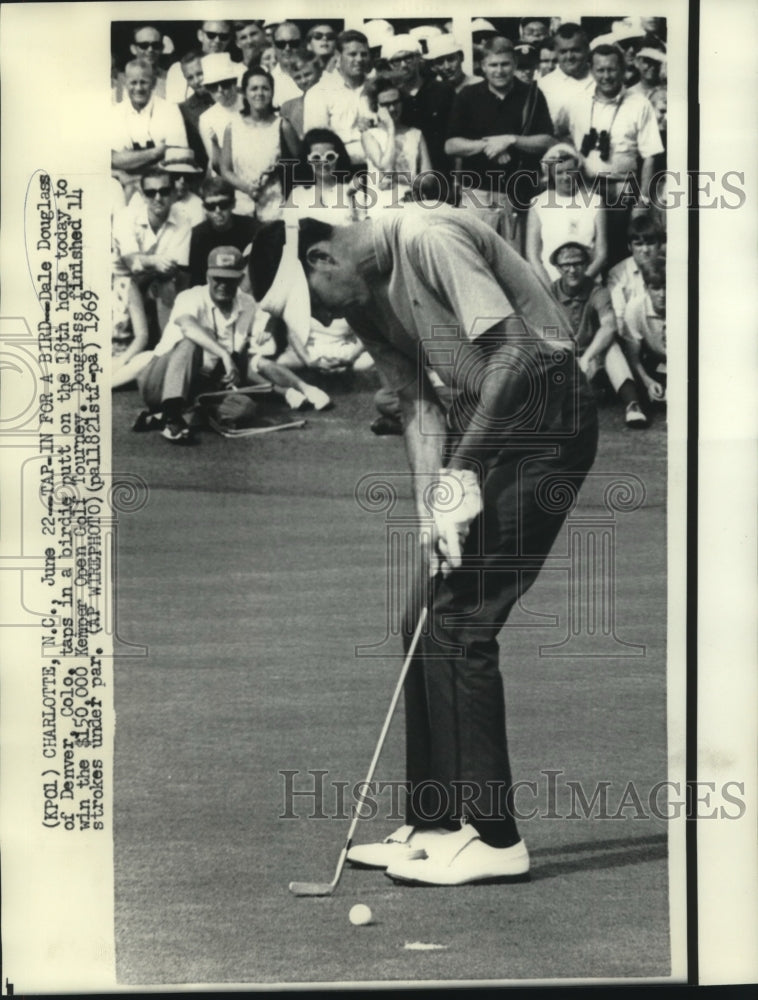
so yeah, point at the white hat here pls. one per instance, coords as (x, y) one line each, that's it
(425, 31)
(443, 45)
(605, 40)
(481, 24)
(623, 33)
(218, 66)
(650, 53)
(400, 43)
(377, 32)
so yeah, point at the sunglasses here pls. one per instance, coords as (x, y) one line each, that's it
(388, 104)
(155, 46)
(323, 36)
(220, 85)
(222, 205)
(283, 43)
(213, 35)
(154, 192)
(330, 157)
(401, 60)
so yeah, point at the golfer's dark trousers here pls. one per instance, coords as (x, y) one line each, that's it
(457, 754)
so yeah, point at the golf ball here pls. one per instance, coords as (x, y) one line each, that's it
(360, 915)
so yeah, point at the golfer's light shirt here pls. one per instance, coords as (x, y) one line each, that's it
(157, 122)
(236, 332)
(444, 273)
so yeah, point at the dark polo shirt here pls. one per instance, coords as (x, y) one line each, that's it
(191, 109)
(205, 238)
(428, 110)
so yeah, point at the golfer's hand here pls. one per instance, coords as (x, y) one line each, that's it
(455, 500)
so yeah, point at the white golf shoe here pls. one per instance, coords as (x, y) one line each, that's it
(405, 844)
(463, 859)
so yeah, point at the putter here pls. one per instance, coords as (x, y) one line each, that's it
(327, 888)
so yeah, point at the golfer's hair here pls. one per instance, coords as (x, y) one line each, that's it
(570, 30)
(266, 253)
(496, 45)
(644, 226)
(215, 187)
(351, 35)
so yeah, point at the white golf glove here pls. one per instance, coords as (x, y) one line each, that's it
(454, 500)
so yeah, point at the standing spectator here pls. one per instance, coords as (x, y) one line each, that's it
(645, 331)
(143, 126)
(220, 77)
(572, 77)
(322, 41)
(548, 57)
(562, 213)
(445, 59)
(255, 140)
(499, 127)
(288, 42)
(614, 130)
(220, 227)
(533, 30)
(214, 36)
(151, 245)
(426, 101)
(198, 102)
(396, 153)
(251, 40)
(306, 72)
(482, 31)
(147, 44)
(649, 63)
(526, 62)
(339, 101)
(593, 325)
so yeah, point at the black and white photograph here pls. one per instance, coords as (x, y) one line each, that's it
(375, 611)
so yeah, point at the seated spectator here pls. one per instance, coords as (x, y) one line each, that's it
(526, 62)
(198, 102)
(548, 57)
(147, 44)
(214, 37)
(306, 72)
(255, 140)
(152, 246)
(625, 280)
(143, 126)
(563, 212)
(221, 227)
(211, 342)
(645, 331)
(593, 323)
(426, 101)
(444, 56)
(395, 153)
(251, 40)
(331, 195)
(179, 164)
(498, 127)
(220, 80)
(321, 40)
(338, 102)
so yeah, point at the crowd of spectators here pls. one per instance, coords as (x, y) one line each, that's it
(552, 134)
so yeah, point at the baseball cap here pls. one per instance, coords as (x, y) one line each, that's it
(226, 262)
(442, 45)
(399, 43)
(218, 66)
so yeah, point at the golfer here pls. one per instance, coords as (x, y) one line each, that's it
(495, 475)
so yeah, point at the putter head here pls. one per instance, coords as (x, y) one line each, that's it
(311, 888)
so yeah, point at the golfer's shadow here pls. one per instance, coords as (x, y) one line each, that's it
(597, 854)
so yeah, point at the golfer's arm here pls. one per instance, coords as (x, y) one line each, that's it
(424, 434)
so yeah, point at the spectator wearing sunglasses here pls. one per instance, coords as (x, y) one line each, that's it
(214, 36)
(396, 153)
(322, 41)
(306, 72)
(327, 194)
(288, 43)
(220, 76)
(339, 101)
(221, 227)
(146, 44)
(143, 126)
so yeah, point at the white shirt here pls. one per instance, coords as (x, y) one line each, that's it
(234, 332)
(560, 89)
(212, 124)
(625, 282)
(335, 105)
(285, 88)
(177, 88)
(132, 233)
(157, 122)
(632, 124)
